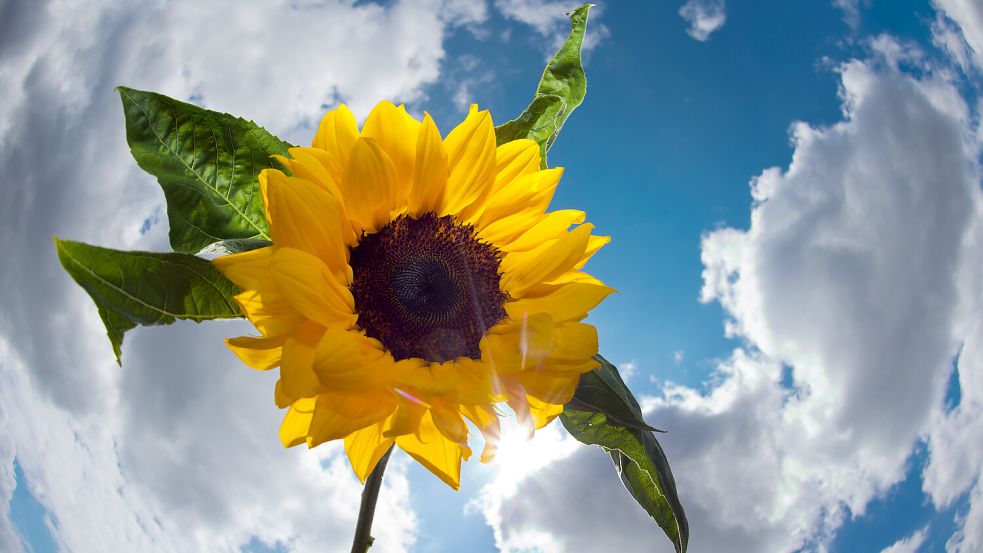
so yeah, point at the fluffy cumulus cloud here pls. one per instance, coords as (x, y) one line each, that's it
(851, 10)
(860, 274)
(534, 476)
(704, 17)
(178, 452)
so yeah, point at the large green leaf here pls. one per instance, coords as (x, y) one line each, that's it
(561, 89)
(604, 391)
(146, 288)
(206, 162)
(605, 413)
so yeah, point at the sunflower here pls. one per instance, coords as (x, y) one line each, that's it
(415, 283)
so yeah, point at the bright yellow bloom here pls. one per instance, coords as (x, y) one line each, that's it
(414, 282)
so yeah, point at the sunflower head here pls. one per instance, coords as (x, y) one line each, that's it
(414, 283)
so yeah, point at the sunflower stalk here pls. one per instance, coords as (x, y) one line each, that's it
(366, 511)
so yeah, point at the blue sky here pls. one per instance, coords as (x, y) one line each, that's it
(792, 188)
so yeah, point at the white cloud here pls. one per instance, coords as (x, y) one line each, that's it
(859, 271)
(968, 538)
(187, 459)
(909, 544)
(956, 437)
(704, 17)
(677, 356)
(967, 15)
(851, 10)
(628, 369)
(550, 20)
(178, 450)
(519, 502)
(9, 541)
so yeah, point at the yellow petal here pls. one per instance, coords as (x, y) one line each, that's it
(297, 421)
(512, 160)
(550, 387)
(471, 162)
(565, 302)
(449, 423)
(349, 361)
(505, 230)
(521, 270)
(261, 300)
(574, 342)
(530, 194)
(430, 379)
(338, 415)
(518, 345)
(365, 447)
(595, 243)
(487, 421)
(269, 311)
(247, 270)
(435, 452)
(552, 226)
(263, 186)
(297, 378)
(517, 400)
(406, 419)
(395, 131)
(475, 381)
(572, 276)
(311, 164)
(281, 399)
(543, 413)
(259, 353)
(336, 136)
(311, 289)
(430, 171)
(369, 185)
(515, 159)
(309, 219)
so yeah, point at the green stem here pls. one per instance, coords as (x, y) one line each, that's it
(363, 528)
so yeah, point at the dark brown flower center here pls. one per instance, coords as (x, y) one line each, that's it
(427, 288)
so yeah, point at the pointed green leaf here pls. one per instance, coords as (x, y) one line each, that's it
(637, 455)
(561, 89)
(206, 162)
(603, 391)
(147, 288)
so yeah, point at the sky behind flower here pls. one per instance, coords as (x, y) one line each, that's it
(792, 188)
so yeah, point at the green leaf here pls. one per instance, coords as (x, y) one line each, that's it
(561, 89)
(603, 391)
(147, 288)
(636, 453)
(206, 162)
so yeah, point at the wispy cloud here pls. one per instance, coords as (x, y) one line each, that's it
(628, 369)
(851, 10)
(960, 30)
(550, 20)
(704, 17)
(909, 544)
